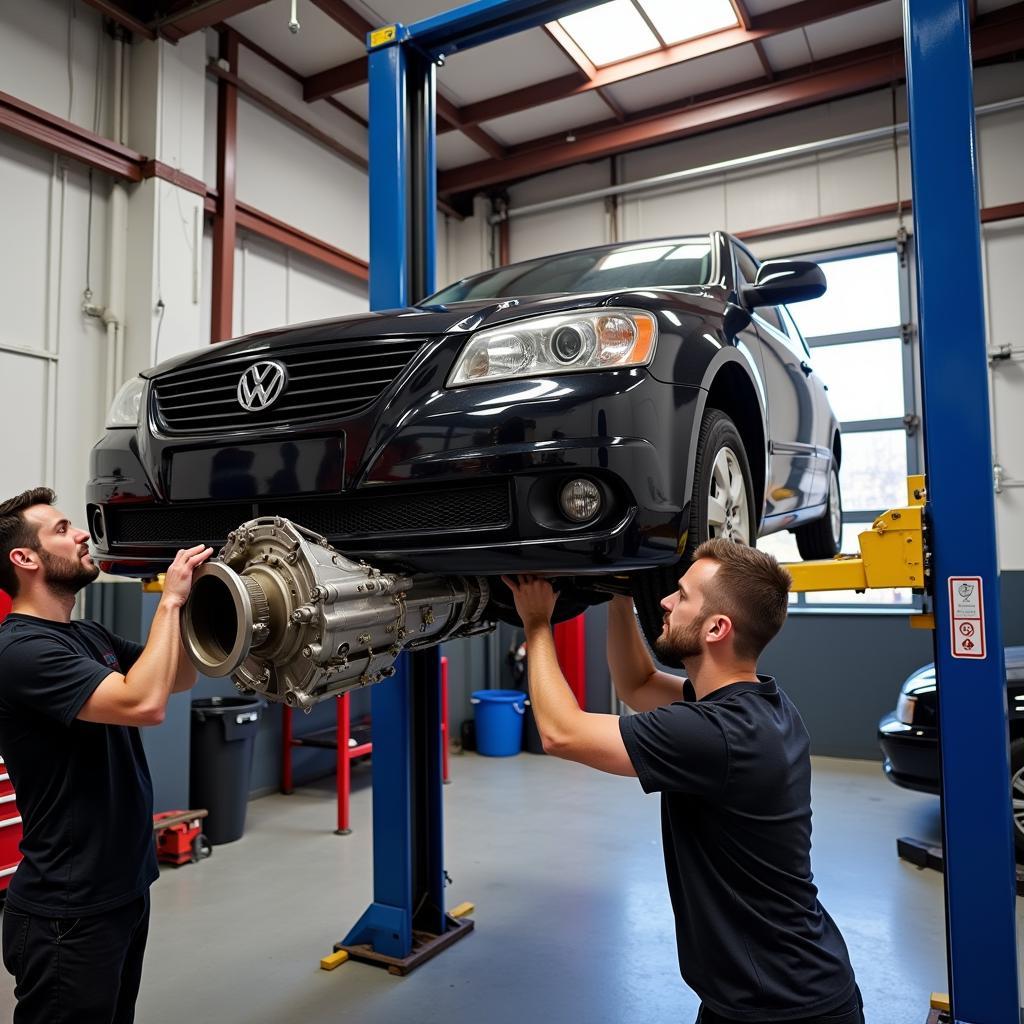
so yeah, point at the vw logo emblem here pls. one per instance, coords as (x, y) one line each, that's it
(261, 385)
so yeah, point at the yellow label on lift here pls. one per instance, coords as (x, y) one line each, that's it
(380, 36)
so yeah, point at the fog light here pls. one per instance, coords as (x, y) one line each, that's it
(580, 500)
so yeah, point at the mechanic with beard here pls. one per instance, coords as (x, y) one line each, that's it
(71, 697)
(729, 753)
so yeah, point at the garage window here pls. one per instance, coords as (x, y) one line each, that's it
(862, 348)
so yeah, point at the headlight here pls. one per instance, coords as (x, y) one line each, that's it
(905, 709)
(124, 410)
(593, 339)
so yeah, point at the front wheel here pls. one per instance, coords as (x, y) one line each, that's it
(824, 537)
(721, 505)
(1017, 795)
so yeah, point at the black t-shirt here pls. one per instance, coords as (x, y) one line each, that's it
(83, 789)
(734, 772)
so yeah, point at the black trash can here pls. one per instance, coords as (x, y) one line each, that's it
(223, 731)
(532, 742)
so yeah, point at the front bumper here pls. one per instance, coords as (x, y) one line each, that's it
(453, 481)
(911, 755)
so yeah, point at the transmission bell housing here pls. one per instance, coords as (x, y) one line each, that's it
(289, 617)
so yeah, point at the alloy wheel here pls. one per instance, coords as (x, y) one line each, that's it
(728, 510)
(835, 509)
(1017, 792)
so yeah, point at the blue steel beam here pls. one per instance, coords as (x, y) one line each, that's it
(389, 178)
(977, 830)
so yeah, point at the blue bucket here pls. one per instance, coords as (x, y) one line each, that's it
(499, 721)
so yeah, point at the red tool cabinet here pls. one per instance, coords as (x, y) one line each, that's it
(10, 819)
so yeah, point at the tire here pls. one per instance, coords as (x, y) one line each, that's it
(824, 537)
(718, 442)
(1017, 795)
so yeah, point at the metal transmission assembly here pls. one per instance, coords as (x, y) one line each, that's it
(285, 615)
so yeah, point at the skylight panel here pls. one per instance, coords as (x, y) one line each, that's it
(677, 20)
(612, 31)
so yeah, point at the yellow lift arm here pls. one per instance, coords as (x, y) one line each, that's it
(892, 554)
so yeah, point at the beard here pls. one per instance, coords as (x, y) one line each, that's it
(66, 576)
(680, 643)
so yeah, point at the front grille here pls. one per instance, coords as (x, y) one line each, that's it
(447, 511)
(324, 384)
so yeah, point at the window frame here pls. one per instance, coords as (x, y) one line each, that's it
(906, 331)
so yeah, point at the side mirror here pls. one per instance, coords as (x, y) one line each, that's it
(782, 281)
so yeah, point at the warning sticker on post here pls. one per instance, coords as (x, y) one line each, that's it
(967, 616)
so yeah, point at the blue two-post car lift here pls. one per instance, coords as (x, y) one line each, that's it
(407, 921)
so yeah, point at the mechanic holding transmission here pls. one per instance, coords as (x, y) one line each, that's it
(71, 697)
(729, 753)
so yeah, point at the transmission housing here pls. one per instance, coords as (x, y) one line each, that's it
(289, 617)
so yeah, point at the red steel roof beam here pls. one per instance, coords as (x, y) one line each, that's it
(198, 16)
(995, 35)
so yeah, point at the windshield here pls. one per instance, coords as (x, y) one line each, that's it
(669, 263)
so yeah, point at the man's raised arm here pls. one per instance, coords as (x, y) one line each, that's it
(139, 696)
(637, 681)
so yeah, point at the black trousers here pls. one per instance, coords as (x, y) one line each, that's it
(83, 970)
(851, 1013)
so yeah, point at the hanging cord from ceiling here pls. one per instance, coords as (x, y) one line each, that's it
(89, 308)
(72, 16)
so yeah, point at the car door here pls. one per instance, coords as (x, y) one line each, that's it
(792, 429)
(822, 418)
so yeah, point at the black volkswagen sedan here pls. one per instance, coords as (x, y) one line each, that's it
(591, 415)
(909, 736)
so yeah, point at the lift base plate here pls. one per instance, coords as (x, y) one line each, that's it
(424, 947)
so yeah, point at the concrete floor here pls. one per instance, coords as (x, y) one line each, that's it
(572, 918)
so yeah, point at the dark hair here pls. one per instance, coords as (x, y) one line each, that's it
(751, 588)
(15, 532)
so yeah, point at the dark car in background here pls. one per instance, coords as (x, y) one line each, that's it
(591, 415)
(909, 736)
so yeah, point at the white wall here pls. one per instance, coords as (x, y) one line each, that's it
(274, 286)
(50, 53)
(49, 415)
(299, 181)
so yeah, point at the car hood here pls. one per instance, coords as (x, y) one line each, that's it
(457, 317)
(923, 680)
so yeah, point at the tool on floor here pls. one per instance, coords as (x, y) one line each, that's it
(179, 837)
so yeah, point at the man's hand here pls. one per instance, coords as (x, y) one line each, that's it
(535, 600)
(178, 578)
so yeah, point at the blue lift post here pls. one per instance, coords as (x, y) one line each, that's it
(406, 923)
(408, 845)
(977, 831)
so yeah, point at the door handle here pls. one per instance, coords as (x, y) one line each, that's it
(806, 367)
